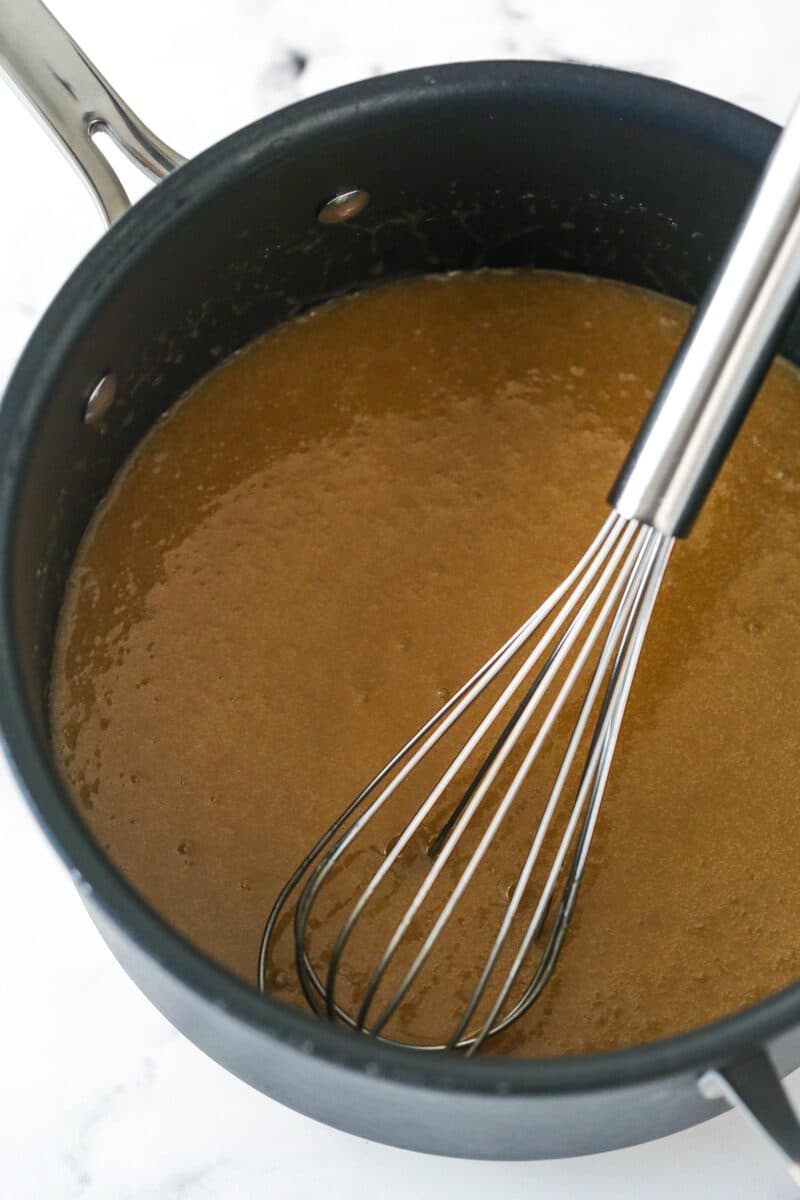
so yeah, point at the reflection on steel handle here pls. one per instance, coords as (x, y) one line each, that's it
(73, 101)
(751, 1084)
(710, 386)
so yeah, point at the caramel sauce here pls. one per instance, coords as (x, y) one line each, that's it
(324, 539)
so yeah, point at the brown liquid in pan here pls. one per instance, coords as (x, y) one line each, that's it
(327, 537)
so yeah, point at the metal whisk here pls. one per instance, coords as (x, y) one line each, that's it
(593, 625)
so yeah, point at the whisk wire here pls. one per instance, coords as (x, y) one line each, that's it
(618, 543)
(634, 614)
(581, 576)
(630, 580)
(556, 660)
(610, 591)
(497, 659)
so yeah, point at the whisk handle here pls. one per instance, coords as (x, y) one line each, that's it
(723, 358)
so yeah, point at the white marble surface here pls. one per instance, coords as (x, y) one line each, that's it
(100, 1099)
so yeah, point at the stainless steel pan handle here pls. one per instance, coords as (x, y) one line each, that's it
(752, 1085)
(73, 101)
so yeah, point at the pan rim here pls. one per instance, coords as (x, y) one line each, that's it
(655, 102)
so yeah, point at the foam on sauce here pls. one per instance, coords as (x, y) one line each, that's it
(325, 538)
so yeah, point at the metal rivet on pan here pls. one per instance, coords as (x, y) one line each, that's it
(100, 399)
(343, 206)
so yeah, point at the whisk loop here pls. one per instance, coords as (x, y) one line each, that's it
(606, 599)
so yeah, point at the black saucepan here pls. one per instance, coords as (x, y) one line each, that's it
(482, 164)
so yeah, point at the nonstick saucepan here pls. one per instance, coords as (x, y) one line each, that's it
(449, 168)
